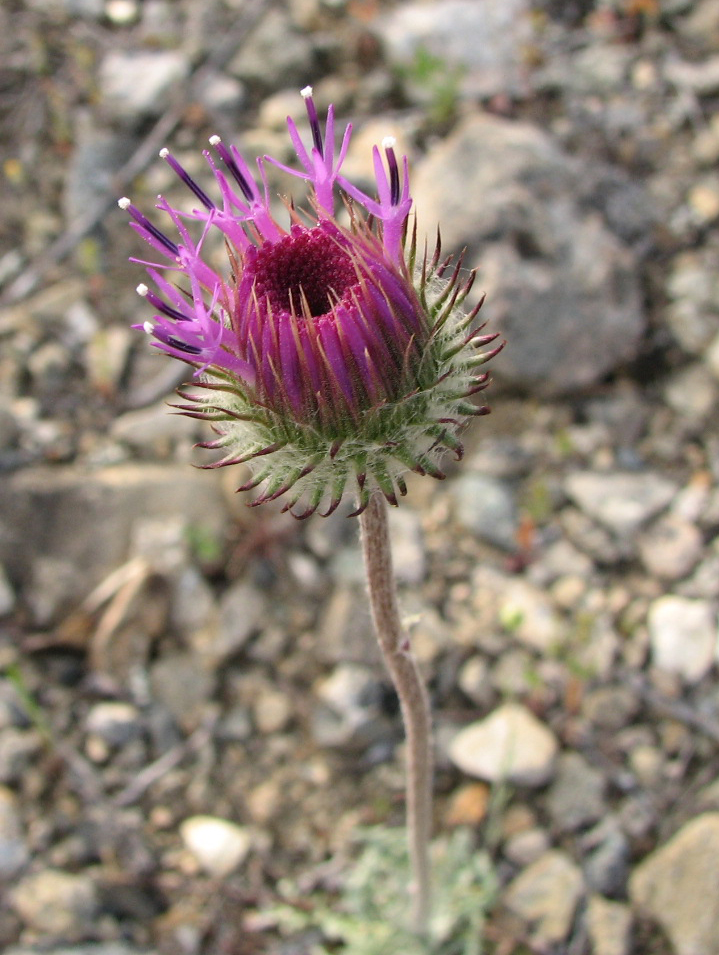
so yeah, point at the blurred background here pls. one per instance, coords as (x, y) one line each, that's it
(193, 717)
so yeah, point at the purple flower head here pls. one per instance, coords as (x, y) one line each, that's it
(328, 354)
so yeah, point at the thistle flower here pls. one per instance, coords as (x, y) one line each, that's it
(330, 356)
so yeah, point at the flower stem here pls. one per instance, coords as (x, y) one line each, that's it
(414, 702)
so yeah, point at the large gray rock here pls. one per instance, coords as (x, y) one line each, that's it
(677, 886)
(561, 287)
(484, 42)
(74, 526)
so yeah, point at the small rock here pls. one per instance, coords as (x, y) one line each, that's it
(692, 392)
(703, 200)
(609, 925)
(528, 614)
(468, 805)
(193, 608)
(349, 713)
(510, 744)
(116, 723)
(18, 748)
(647, 763)
(683, 636)
(670, 547)
(514, 673)
(622, 502)
(473, 680)
(345, 628)
(272, 710)
(14, 852)
(7, 594)
(408, 555)
(526, 847)
(606, 867)
(151, 432)
(486, 506)
(676, 885)
(546, 895)
(57, 904)
(577, 794)
(610, 707)
(183, 687)
(222, 93)
(701, 77)
(693, 289)
(218, 845)
(274, 53)
(137, 82)
(243, 609)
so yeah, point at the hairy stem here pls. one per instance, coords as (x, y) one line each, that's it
(396, 650)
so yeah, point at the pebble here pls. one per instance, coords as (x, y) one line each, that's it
(610, 707)
(348, 714)
(693, 289)
(219, 846)
(606, 866)
(139, 83)
(546, 895)
(243, 610)
(692, 392)
(609, 925)
(670, 547)
(528, 614)
(60, 905)
(14, 852)
(526, 847)
(621, 502)
(468, 805)
(275, 54)
(271, 710)
(116, 723)
(7, 594)
(510, 744)
(485, 505)
(676, 885)
(408, 552)
(473, 680)
(683, 636)
(183, 687)
(18, 749)
(576, 797)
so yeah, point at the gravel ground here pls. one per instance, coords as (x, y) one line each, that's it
(193, 715)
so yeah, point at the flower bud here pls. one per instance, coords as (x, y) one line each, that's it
(329, 357)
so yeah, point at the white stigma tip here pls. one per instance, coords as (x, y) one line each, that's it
(164, 152)
(124, 203)
(389, 142)
(214, 140)
(148, 328)
(306, 92)
(142, 289)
